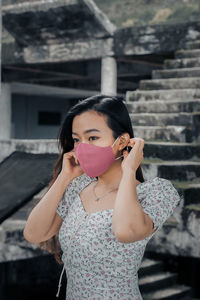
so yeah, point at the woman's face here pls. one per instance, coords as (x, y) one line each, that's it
(91, 127)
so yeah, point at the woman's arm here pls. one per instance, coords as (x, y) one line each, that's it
(43, 220)
(43, 214)
(130, 223)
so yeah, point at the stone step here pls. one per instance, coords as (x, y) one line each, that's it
(173, 170)
(164, 134)
(172, 83)
(158, 280)
(165, 119)
(195, 209)
(13, 245)
(193, 45)
(163, 95)
(182, 63)
(176, 73)
(190, 191)
(150, 266)
(190, 298)
(187, 53)
(160, 106)
(172, 151)
(175, 292)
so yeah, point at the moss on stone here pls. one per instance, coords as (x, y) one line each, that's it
(151, 160)
(184, 184)
(193, 207)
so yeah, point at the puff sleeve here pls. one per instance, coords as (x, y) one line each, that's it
(160, 201)
(65, 202)
(70, 193)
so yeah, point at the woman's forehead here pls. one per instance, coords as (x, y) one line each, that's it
(88, 120)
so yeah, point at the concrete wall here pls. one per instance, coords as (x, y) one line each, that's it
(25, 114)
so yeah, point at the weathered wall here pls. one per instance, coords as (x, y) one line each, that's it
(155, 38)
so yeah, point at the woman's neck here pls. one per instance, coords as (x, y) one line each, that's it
(112, 177)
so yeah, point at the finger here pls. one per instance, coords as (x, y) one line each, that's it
(76, 159)
(131, 142)
(125, 153)
(141, 144)
(136, 143)
(70, 155)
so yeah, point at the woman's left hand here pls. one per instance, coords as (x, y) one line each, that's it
(133, 159)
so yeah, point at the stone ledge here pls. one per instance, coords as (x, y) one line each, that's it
(28, 146)
(182, 63)
(160, 94)
(161, 38)
(170, 83)
(161, 106)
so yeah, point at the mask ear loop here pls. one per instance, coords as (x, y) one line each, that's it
(113, 145)
(121, 155)
(115, 141)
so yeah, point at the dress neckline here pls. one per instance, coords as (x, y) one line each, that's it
(95, 212)
(103, 210)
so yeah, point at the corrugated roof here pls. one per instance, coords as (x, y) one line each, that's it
(22, 175)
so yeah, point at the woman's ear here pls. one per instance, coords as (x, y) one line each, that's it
(124, 140)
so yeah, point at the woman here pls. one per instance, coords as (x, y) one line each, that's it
(98, 202)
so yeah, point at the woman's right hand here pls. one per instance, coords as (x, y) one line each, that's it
(71, 166)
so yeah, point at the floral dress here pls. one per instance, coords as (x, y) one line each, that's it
(97, 265)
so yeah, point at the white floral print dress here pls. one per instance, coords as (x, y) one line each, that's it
(97, 265)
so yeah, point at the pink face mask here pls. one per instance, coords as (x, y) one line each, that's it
(95, 160)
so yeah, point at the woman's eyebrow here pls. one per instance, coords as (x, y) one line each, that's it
(86, 131)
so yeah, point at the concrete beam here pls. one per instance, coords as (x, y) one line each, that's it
(38, 90)
(74, 51)
(162, 38)
(12, 54)
(135, 41)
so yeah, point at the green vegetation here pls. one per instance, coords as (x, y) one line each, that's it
(126, 13)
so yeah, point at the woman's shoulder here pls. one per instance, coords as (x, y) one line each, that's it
(156, 182)
(159, 199)
(74, 188)
(81, 181)
(159, 190)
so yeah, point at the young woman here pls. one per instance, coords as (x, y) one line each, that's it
(98, 202)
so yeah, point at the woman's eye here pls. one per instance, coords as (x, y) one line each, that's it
(75, 140)
(93, 137)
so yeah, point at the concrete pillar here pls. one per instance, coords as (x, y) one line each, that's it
(109, 76)
(5, 111)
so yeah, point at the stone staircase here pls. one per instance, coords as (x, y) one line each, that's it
(156, 283)
(165, 111)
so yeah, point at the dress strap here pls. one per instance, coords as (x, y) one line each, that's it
(59, 284)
